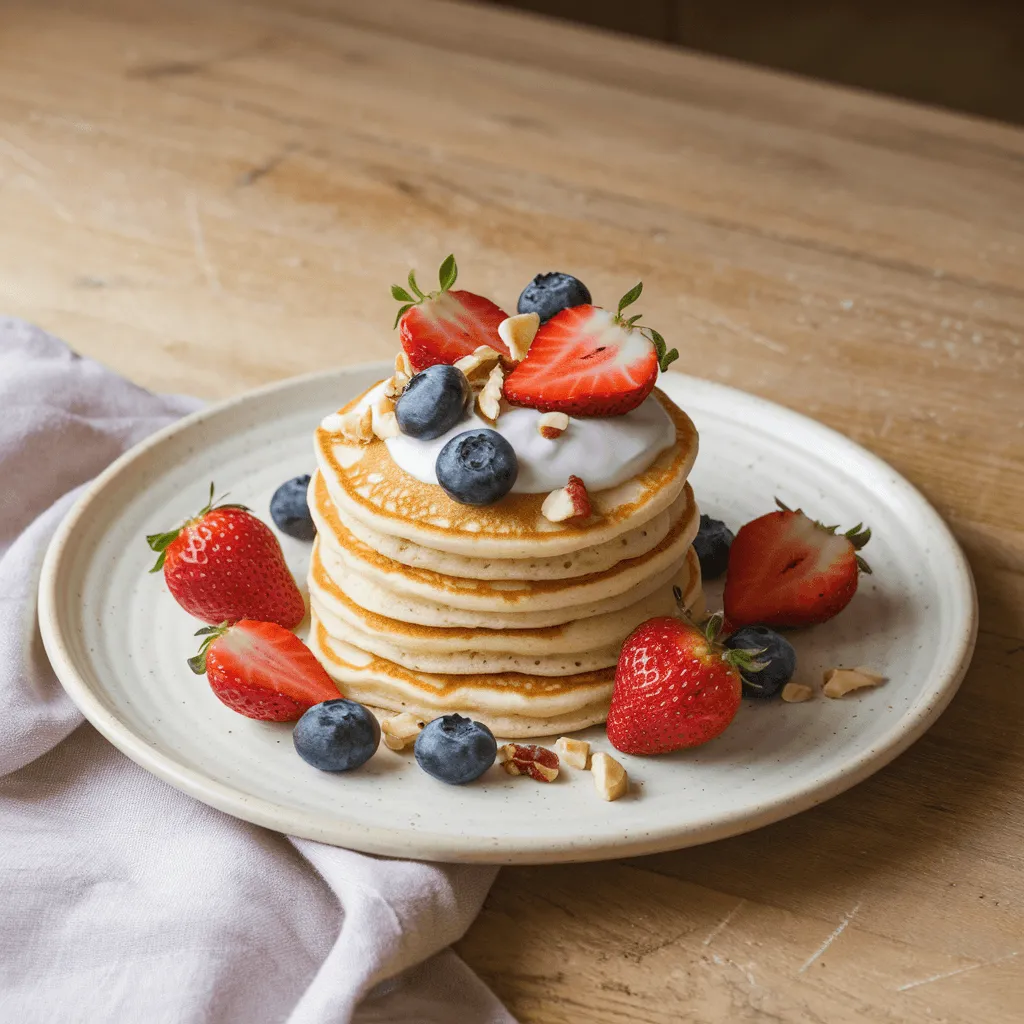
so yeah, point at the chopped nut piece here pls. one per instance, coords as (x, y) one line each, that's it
(529, 759)
(573, 752)
(402, 364)
(384, 420)
(839, 681)
(489, 400)
(610, 779)
(796, 693)
(355, 426)
(568, 502)
(552, 425)
(479, 363)
(518, 333)
(401, 731)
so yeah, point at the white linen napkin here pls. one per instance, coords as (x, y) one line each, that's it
(123, 900)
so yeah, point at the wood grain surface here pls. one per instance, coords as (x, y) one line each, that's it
(211, 195)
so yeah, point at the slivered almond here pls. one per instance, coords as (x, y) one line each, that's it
(552, 425)
(402, 364)
(478, 364)
(489, 400)
(518, 333)
(796, 693)
(383, 418)
(355, 426)
(840, 681)
(573, 752)
(400, 731)
(568, 502)
(610, 779)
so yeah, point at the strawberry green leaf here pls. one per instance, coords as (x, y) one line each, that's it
(198, 663)
(448, 272)
(414, 287)
(161, 541)
(631, 296)
(398, 292)
(714, 627)
(668, 359)
(783, 507)
(633, 319)
(863, 566)
(401, 312)
(159, 562)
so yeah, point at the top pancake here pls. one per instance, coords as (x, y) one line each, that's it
(366, 484)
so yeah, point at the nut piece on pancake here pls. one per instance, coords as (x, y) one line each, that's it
(568, 502)
(399, 381)
(529, 759)
(383, 418)
(478, 364)
(400, 731)
(573, 752)
(610, 778)
(553, 425)
(489, 400)
(518, 333)
(840, 681)
(356, 426)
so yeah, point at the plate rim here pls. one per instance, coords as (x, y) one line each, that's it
(453, 847)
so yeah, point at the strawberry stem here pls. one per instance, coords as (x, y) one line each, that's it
(210, 633)
(414, 295)
(665, 357)
(858, 536)
(160, 542)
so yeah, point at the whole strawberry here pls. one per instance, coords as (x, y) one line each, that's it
(785, 569)
(224, 565)
(262, 670)
(675, 686)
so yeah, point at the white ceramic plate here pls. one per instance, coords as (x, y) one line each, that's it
(119, 642)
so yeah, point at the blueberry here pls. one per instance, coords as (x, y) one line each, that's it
(778, 652)
(548, 294)
(455, 750)
(477, 467)
(336, 736)
(289, 510)
(712, 545)
(434, 401)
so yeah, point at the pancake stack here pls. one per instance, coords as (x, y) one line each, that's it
(422, 604)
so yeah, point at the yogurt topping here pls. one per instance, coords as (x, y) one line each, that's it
(604, 452)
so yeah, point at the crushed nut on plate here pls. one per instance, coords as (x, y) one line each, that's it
(400, 731)
(610, 779)
(573, 752)
(796, 693)
(840, 681)
(489, 400)
(529, 759)
(552, 425)
(518, 333)
(355, 427)
(568, 502)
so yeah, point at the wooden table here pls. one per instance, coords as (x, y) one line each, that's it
(209, 196)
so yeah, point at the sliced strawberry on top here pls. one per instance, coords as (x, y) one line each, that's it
(785, 569)
(444, 326)
(588, 361)
(262, 670)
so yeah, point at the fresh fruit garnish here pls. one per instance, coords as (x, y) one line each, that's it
(337, 735)
(224, 564)
(433, 402)
(455, 750)
(290, 510)
(539, 763)
(261, 670)
(477, 467)
(548, 294)
(588, 361)
(774, 652)
(676, 686)
(712, 545)
(444, 326)
(785, 569)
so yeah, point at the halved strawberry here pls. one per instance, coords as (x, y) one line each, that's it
(444, 326)
(262, 670)
(588, 361)
(785, 569)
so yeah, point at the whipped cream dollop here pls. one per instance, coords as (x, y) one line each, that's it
(604, 452)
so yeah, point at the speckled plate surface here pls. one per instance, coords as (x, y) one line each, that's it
(119, 642)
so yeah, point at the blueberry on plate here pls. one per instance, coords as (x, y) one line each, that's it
(337, 735)
(477, 467)
(712, 545)
(548, 294)
(776, 650)
(290, 511)
(455, 750)
(433, 402)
